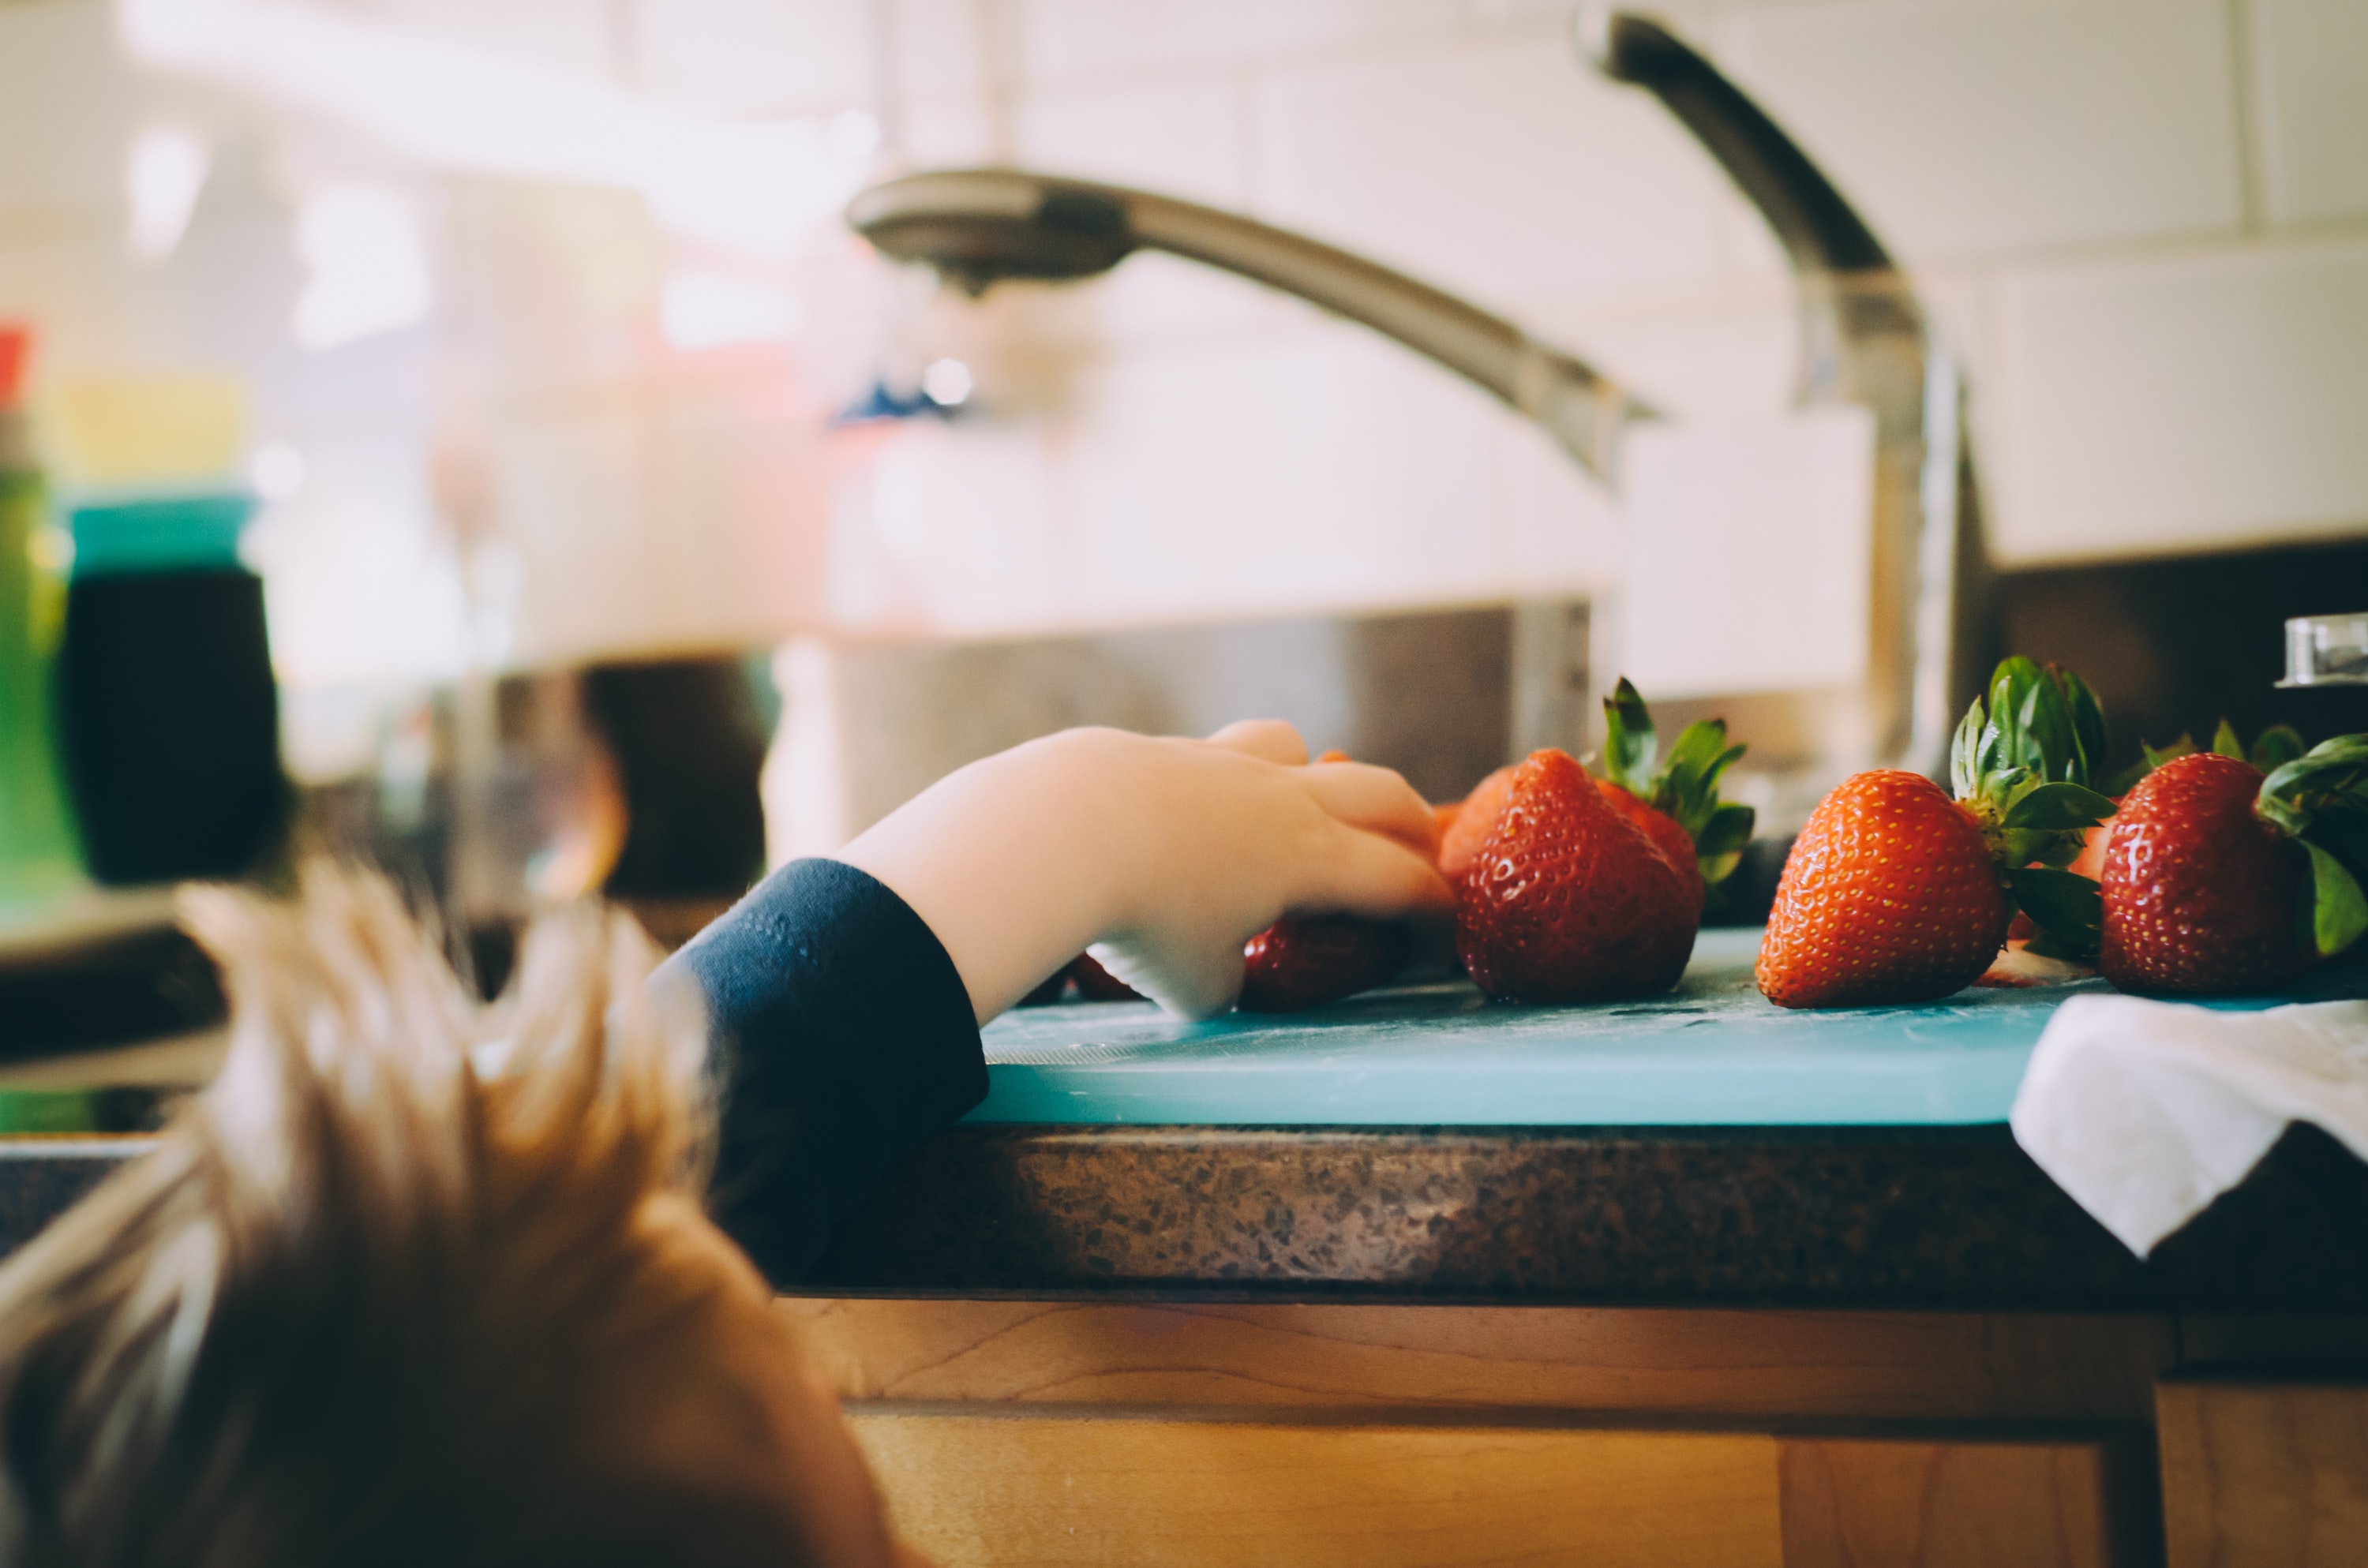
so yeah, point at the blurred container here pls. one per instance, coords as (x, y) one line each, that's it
(38, 855)
(168, 718)
(167, 715)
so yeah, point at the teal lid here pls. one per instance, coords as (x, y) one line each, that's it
(177, 533)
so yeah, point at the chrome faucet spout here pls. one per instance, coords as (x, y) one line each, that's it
(978, 227)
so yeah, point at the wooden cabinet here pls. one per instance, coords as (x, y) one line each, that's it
(1060, 1433)
(2264, 1473)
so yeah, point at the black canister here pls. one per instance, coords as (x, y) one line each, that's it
(168, 719)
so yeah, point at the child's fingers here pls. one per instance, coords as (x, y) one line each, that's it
(1270, 740)
(1377, 801)
(1377, 877)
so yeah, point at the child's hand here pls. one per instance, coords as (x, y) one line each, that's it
(1166, 854)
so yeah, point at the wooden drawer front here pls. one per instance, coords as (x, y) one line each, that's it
(2264, 1474)
(1624, 1362)
(1034, 1487)
(1852, 1503)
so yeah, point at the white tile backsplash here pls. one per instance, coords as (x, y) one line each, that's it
(2068, 176)
(1982, 128)
(2182, 402)
(2311, 60)
(1504, 169)
(1062, 40)
(754, 57)
(574, 37)
(1321, 468)
(1179, 138)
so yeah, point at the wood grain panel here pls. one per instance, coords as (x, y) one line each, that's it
(1892, 1503)
(2264, 1474)
(2321, 1346)
(1814, 1365)
(1048, 1489)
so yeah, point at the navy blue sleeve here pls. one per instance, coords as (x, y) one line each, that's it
(843, 1040)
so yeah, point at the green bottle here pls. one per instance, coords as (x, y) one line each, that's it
(38, 855)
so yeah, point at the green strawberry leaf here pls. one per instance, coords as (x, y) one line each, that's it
(2013, 690)
(1727, 832)
(2338, 911)
(2065, 905)
(2183, 746)
(2225, 742)
(1700, 745)
(2059, 806)
(2276, 747)
(2049, 747)
(2047, 947)
(2088, 724)
(1964, 753)
(1684, 785)
(1630, 747)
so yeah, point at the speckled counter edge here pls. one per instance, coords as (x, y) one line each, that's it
(1866, 1217)
(1851, 1217)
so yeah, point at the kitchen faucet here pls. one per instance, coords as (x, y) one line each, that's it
(1865, 341)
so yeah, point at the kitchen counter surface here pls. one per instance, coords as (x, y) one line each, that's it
(1703, 1150)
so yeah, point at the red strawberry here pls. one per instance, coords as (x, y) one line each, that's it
(2201, 896)
(1096, 984)
(1896, 892)
(1305, 961)
(1459, 840)
(1676, 845)
(1889, 895)
(1569, 902)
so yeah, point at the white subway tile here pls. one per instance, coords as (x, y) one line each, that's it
(1067, 39)
(1154, 298)
(1506, 169)
(2181, 403)
(1979, 127)
(2311, 60)
(940, 45)
(1557, 530)
(1728, 351)
(1182, 139)
(949, 131)
(1325, 469)
(752, 57)
(574, 37)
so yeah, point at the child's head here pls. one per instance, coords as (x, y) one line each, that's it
(377, 1300)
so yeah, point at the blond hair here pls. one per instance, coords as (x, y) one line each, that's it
(387, 1292)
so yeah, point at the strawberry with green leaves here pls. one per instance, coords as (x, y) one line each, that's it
(2271, 749)
(1896, 892)
(1674, 798)
(2220, 880)
(1568, 900)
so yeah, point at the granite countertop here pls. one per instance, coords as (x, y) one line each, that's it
(1865, 1164)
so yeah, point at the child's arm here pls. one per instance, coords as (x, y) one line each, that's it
(1170, 853)
(844, 996)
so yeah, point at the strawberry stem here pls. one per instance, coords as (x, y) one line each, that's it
(2021, 763)
(1684, 785)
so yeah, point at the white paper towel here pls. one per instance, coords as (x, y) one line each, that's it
(2146, 1111)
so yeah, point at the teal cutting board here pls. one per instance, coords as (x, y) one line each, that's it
(1713, 1053)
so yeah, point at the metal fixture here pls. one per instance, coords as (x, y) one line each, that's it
(2326, 650)
(1864, 337)
(980, 227)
